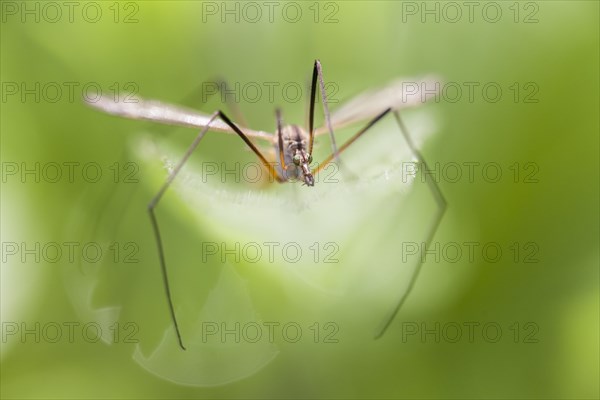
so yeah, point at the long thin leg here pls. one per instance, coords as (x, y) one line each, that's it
(155, 200)
(311, 109)
(152, 205)
(351, 140)
(270, 167)
(318, 70)
(442, 205)
(192, 98)
(280, 138)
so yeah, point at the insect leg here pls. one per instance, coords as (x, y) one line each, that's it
(351, 140)
(311, 109)
(193, 98)
(154, 202)
(280, 139)
(441, 205)
(269, 166)
(318, 72)
(152, 205)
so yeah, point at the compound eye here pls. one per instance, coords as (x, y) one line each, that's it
(310, 158)
(297, 159)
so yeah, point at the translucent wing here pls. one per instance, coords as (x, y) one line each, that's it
(152, 110)
(399, 94)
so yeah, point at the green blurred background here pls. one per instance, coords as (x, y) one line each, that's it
(167, 49)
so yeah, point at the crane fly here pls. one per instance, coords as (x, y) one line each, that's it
(292, 143)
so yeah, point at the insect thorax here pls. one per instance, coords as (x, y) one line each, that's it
(294, 138)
